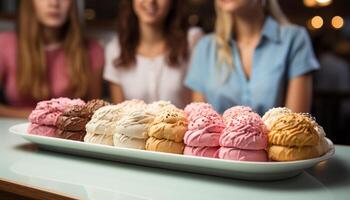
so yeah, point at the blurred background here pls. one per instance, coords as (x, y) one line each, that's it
(328, 23)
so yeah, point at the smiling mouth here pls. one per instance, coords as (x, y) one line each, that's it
(150, 10)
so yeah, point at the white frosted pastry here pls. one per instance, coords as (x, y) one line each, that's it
(99, 139)
(102, 126)
(134, 124)
(157, 106)
(273, 114)
(131, 131)
(124, 141)
(107, 113)
(134, 104)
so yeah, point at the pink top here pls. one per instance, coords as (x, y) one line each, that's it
(57, 72)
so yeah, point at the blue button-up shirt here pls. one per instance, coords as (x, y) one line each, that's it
(283, 53)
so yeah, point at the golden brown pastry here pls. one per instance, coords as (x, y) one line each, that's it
(163, 145)
(293, 129)
(284, 153)
(171, 124)
(167, 131)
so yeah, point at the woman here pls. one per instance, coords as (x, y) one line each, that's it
(148, 58)
(47, 57)
(255, 58)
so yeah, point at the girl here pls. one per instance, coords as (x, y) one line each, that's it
(148, 58)
(47, 57)
(255, 58)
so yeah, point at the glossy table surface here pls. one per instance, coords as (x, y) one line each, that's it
(86, 178)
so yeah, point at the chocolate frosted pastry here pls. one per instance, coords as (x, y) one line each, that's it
(87, 110)
(72, 122)
(94, 105)
(77, 111)
(71, 135)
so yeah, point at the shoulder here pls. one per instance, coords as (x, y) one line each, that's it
(293, 32)
(112, 45)
(193, 35)
(206, 43)
(204, 51)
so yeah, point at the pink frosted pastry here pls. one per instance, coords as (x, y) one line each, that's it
(44, 117)
(210, 152)
(51, 131)
(201, 138)
(194, 109)
(245, 132)
(233, 112)
(47, 112)
(204, 130)
(36, 129)
(58, 104)
(208, 119)
(243, 155)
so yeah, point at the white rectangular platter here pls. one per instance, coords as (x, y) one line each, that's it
(209, 166)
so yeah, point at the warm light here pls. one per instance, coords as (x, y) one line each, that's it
(337, 22)
(316, 22)
(324, 2)
(90, 14)
(310, 3)
(315, 3)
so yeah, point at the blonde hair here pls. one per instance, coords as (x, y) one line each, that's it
(224, 29)
(32, 78)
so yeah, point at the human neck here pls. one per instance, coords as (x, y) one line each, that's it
(151, 34)
(51, 36)
(152, 42)
(249, 25)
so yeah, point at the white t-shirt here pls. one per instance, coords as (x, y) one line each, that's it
(151, 79)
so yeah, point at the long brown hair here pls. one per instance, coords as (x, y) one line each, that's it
(32, 76)
(175, 29)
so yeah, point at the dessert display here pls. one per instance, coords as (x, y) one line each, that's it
(244, 137)
(239, 134)
(204, 130)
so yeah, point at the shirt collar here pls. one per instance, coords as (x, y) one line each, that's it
(271, 29)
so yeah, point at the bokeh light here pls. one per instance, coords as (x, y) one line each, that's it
(337, 22)
(90, 14)
(324, 2)
(316, 22)
(317, 3)
(310, 3)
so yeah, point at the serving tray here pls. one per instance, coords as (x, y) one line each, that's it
(210, 166)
